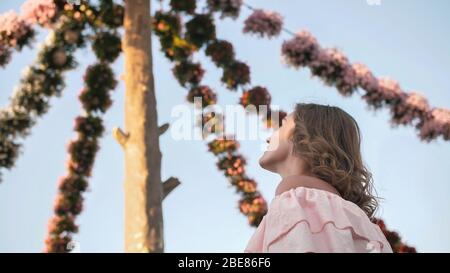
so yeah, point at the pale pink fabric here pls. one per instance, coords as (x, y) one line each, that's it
(312, 220)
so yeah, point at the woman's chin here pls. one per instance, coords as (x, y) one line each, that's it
(264, 160)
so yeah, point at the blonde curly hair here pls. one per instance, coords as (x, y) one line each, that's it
(328, 140)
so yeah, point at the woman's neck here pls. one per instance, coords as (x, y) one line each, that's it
(301, 180)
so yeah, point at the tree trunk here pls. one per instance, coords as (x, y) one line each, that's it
(143, 187)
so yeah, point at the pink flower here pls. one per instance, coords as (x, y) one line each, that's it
(387, 91)
(389, 88)
(38, 11)
(438, 123)
(410, 107)
(334, 69)
(12, 28)
(10, 22)
(365, 78)
(417, 102)
(264, 23)
(300, 50)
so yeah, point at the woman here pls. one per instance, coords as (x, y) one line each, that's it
(324, 202)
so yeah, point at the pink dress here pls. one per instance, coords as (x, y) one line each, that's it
(312, 220)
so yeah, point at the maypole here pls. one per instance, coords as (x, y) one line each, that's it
(140, 141)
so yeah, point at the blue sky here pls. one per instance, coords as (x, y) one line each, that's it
(408, 40)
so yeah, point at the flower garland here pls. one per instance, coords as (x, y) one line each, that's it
(42, 80)
(237, 74)
(227, 8)
(394, 239)
(42, 12)
(256, 96)
(334, 69)
(16, 30)
(14, 33)
(82, 151)
(167, 26)
(200, 29)
(95, 99)
(205, 92)
(187, 6)
(188, 73)
(264, 23)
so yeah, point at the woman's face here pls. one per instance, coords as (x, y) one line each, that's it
(280, 146)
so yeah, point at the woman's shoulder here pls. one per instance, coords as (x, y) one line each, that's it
(320, 212)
